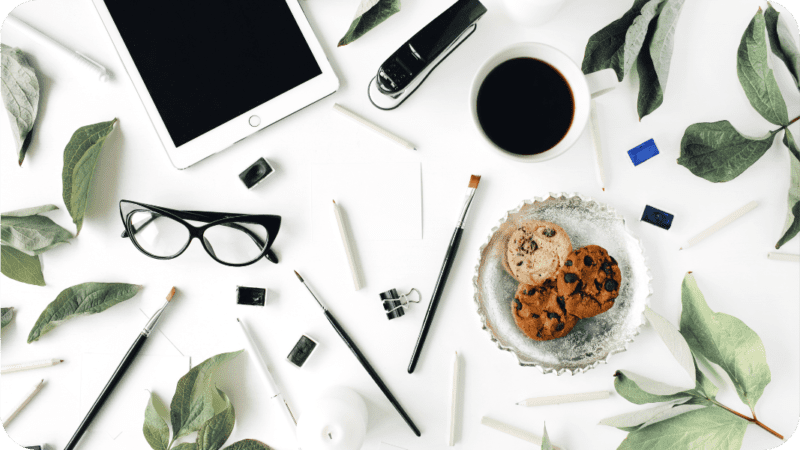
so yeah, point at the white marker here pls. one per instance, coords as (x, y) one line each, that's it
(569, 398)
(391, 136)
(101, 72)
(777, 256)
(598, 152)
(451, 439)
(272, 387)
(721, 224)
(348, 246)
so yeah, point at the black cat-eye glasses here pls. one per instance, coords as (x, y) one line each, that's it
(231, 239)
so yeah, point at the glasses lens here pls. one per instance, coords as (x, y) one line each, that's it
(236, 242)
(157, 235)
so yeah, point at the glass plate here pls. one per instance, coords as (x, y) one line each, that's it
(593, 340)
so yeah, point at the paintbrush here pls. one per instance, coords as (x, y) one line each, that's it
(353, 348)
(449, 257)
(119, 373)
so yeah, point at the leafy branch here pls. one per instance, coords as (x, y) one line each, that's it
(689, 412)
(717, 151)
(370, 14)
(20, 93)
(196, 407)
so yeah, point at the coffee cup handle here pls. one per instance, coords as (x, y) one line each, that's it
(602, 82)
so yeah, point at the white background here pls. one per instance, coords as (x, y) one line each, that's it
(731, 268)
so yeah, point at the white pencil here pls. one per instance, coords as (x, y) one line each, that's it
(569, 398)
(513, 431)
(30, 365)
(777, 256)
(598, 152)
(84, 61)
(451, 440)
(272, 387)
(721, 224)
(24, 403)
(391, 136)
(348, 247)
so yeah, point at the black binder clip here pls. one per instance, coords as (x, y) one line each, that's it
(395, 304)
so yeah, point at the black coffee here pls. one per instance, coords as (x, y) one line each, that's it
(525, 106)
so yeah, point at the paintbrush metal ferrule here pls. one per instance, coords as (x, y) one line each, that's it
(473, 186)
(310, 291)
(151, 324)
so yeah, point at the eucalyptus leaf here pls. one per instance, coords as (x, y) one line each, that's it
(80, 161)
(718, 153)
(546, 444)
(213, 433)
(637, 418)
(32, 235)
(783, 44)
(755, 75)
(7, 315)
(370, 14)
(703, 429)
(155, 429)
(640, 390)
(674, 341)
(248, 444)
(651, 91)
(792, 226)
(726, 341)
(609, 47)
(664, 39)
(193, 402)
(79, 300)
(20, 92)
(29, 211)
(21, 267)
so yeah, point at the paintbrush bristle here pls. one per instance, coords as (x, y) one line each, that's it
(171, 293)
(298, 276)
(474, 180)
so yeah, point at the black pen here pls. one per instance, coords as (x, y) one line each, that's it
(449, 257)
(118, 374)
(352, 346)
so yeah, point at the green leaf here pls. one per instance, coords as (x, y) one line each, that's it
(80, 160)
(248, 444)
(185, 446)
(726, 341)
(705, 387)
(156, 430)
(756, 77)
(617, 45)
(637, 418)
(546, 445)
(79, 300)
(664, 38)
(370, 14)
(792, 226)
(706, 428)
(32, 235)
(213, 434)
(21, 267)
(640, 390)
(193, 402)
(7, 315)
(29, 211)
(651, 91)
(675, 342)
(718, 153)
(20, 92)
(782, 42)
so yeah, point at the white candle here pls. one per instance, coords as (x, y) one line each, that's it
(337, 422)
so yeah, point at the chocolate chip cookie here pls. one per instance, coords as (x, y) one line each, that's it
(535, 251)
(540, 313)
(589, 281)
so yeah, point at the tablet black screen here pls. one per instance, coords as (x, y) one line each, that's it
(206, 62)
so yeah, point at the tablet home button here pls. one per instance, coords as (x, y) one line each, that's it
(255, 121)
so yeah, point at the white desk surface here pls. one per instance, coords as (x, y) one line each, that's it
(731, 268)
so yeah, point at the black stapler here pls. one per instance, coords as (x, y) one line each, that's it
(404, 71)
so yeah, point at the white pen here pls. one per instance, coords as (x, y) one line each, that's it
(100, 71)
(30, 365)
(272, 387)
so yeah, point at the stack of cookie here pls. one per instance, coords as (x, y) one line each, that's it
(557, 285)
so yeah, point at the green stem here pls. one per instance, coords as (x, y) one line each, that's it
(751, 420)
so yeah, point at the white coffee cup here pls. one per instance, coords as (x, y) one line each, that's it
(533, 12)
(584, 88)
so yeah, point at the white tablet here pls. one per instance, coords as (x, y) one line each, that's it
(210, 72)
